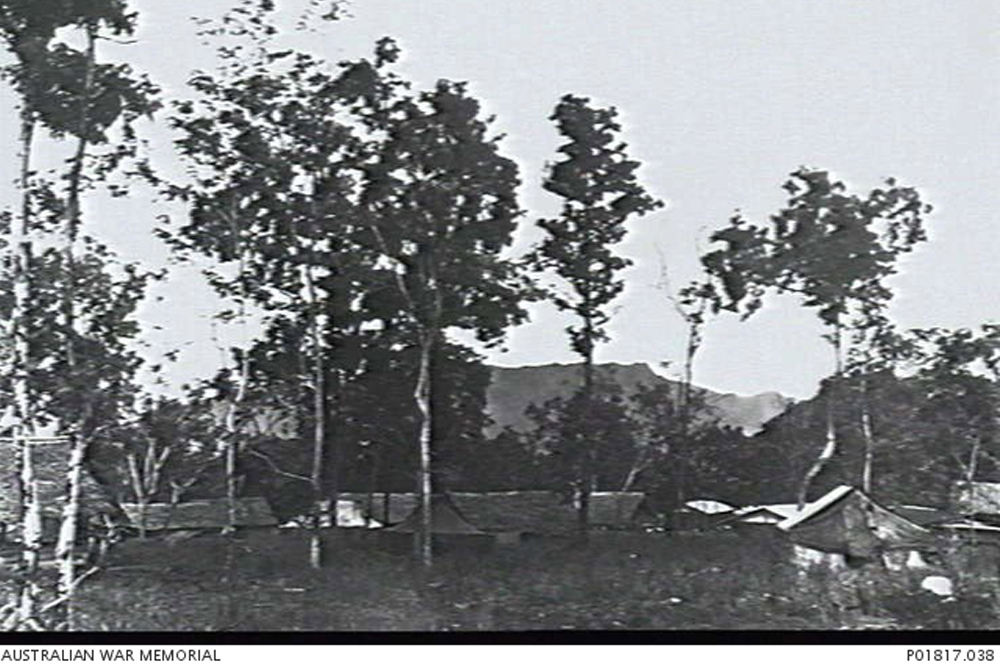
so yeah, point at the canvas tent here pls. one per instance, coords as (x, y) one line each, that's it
(922, 515)
(351, 514)
(446, 519)
(846, 521)
(524, 512)
(381, 508)
(706, 506)
(496, 512)
(615, 509)
(764, 515)
(251, 512)
(701, 514)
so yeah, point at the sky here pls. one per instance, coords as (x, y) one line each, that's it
(719, 100)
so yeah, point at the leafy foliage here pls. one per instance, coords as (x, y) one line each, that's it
(598, 184)
(832, 248)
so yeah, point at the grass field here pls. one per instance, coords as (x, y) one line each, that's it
(722, 580)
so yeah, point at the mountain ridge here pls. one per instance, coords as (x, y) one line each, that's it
(513, 389)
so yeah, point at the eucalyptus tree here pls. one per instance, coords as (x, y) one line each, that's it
(67, 92)
(274, 154)
(834, 250)
(440, 205)
(600, 190)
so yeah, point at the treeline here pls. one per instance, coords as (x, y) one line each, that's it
(363, 218)
(365, 221)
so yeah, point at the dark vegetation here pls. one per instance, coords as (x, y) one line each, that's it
(364, 219)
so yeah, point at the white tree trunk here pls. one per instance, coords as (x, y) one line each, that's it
(31, 517)
(422, 395)
(869, 438)
(65, 548)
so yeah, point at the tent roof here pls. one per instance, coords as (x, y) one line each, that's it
(971, 525)
(706, 506)
(815, 507)
(925, 516)
(214, 513)
(446, 519)
(782, 510)
(847, 521)
(541, 512)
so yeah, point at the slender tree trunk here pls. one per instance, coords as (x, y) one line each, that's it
(31, 534)
(323, 505)
(30, 509)
(970, 472)
(66, 546)
(869, 438)
(372, 481)
(232, 518)
(587, 464)
(233, 435)
(319, 445)
(139, 487)
(72, 214)
(422, 396)
(830, 446)
(232, 442)
(634, 471)
(684, 408)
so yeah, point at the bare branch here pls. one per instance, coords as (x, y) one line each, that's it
(276, 469)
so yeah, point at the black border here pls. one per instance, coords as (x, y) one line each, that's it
(562, 637)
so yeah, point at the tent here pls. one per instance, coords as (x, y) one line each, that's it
(615, 509)
(446, 519)
(764, 515)
(251, 512)
(507, 512)
(701, 514)
(846, 521)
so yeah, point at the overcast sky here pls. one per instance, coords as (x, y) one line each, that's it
(720, 101)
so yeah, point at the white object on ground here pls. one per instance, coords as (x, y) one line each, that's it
(938, 585)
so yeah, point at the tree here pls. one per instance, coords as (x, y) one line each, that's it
(67, 92)
(959, 373)
(694, 302)
(834, 250)
(272, 160)
(598, 184)
(588, 437)
(441, 206)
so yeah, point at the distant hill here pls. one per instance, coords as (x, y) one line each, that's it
(512, 390)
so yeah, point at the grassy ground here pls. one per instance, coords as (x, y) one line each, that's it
(618, 581)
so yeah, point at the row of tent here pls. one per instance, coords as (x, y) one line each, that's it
(847, 521)
(496, 513)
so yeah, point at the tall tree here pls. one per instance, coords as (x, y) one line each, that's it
(441, 206)
(67, 92)
(275, 156)
(833, 249)
(601, 192)
(694, 303)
